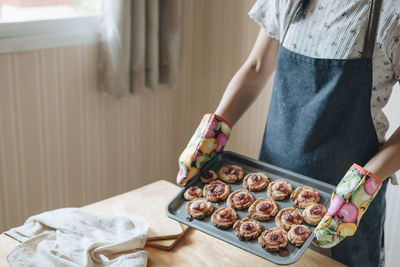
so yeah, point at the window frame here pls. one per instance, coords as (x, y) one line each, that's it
(34, 35)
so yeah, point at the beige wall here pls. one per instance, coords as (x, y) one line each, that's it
(64, 144)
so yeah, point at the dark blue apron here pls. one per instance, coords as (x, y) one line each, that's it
(319, 124)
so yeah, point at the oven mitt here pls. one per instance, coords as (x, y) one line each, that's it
(348, 204)
(207, 142)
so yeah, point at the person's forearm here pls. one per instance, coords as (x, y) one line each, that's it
(387, 160)
(249, 80)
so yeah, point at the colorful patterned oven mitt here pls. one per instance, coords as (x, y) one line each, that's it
(207, 142)
(348, 204)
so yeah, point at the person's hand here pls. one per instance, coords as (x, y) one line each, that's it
(348, 204)
(207, 142)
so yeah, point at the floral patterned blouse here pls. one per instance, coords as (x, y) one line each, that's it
(335, 29)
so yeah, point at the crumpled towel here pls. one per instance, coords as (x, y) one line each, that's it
(72, 237)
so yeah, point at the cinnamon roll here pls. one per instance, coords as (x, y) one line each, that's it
(231, 173)
(298, 234)
(279, 189)
(263, 209)
(304, 196)
(288, 217)
(314, 213)
(208, 176)
(216, 191)
(224, 218)
(255, 181)
(247, 229)
(199, 208)
(273, 239)
(192, 193)
(240, 199)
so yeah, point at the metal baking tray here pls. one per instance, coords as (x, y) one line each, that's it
(176, 207)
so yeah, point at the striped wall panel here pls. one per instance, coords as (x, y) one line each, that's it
(62, 143)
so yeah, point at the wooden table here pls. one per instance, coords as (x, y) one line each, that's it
(194, 249)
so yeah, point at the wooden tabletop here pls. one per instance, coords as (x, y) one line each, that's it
(194, 249)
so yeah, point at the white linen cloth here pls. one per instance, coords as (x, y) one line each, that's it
(71, 237)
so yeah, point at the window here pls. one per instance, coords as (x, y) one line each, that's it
(35, 24)
(29, 10)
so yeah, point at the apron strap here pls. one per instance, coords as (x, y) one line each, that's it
(372, 28)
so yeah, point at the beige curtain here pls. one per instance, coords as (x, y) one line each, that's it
(139, 45)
